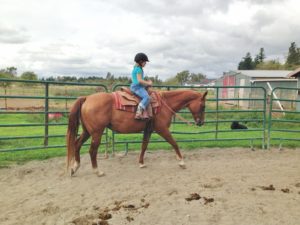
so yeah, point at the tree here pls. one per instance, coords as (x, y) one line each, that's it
(6, 74)
(197, 78)
(293, 57)
(246, 63)
(183, 77)
(12, 71)
(270, 65)
(29, 76)
(171, 81)
(259, 58)
(261, 55)
(256, 61)
(109, 76)
(50, 78)
(155, 80)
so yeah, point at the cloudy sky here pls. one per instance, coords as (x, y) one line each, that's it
(92, 37)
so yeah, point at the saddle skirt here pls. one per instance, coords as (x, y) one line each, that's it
(125, 100)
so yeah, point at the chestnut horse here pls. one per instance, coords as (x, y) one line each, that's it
(97, 111)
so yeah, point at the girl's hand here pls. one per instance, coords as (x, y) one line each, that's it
(150, 82)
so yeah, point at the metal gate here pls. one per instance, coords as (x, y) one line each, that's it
(284, 125)
(39, 118)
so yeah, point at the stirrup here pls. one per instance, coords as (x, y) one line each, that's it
(138, 116)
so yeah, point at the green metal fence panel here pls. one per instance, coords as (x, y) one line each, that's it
(40, 126)
(219, 112)
(284, 124)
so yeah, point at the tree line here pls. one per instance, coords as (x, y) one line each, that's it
(259, 63)
(183, 77)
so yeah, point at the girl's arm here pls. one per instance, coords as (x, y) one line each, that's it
(144, 82)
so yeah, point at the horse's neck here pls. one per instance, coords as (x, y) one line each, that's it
(178, 100)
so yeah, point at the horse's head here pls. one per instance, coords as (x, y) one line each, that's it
(197, 108)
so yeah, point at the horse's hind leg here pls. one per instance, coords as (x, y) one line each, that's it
(78, 143)
(96, 140)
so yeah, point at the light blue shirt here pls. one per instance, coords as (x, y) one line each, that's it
(136, 70)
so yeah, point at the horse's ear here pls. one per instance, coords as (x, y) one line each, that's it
(204, 95)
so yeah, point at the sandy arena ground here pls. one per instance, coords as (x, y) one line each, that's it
(236, 187)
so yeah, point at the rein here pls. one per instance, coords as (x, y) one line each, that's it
(175, 114)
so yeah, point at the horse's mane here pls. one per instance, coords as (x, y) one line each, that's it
(176, 92)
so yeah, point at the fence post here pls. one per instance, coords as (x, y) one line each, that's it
(264, 119)
(270, 120)
(217, 108)
(46, 114)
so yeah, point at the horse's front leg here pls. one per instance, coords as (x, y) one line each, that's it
(141, 158)
(169, 138)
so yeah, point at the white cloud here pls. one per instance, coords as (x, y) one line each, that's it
(94, 37)
(10, 35)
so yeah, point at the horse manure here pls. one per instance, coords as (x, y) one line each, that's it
(104, 216)
(297, 185)
(208, 200)
(142, 200)
(106, 210)
(129, 206)
(269, 188)
(193, 196)
(117, 206)
(146, 205)
(129, 219)
(285, 190)
(103, 222)
(100, 222)
(252, 189)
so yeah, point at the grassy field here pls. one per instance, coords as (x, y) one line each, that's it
(197, 138)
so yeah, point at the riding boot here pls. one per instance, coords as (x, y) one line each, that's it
(149, 111)
(139, 113)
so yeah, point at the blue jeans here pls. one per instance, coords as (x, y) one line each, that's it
(140, 91)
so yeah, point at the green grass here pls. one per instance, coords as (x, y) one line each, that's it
(7, 158)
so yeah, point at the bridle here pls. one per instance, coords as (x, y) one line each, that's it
(177, 115)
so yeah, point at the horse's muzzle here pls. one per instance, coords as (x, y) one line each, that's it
(200, 123)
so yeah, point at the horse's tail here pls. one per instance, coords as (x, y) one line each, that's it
(73, 125)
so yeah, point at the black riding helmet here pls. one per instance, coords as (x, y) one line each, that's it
(141, 57)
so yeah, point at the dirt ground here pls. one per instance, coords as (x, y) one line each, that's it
(219, 186)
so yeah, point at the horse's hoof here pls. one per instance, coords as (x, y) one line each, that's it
(142, 165)
(99, 173)
(72, 172)
(182, 164)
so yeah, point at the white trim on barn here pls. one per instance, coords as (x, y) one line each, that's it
(268, 80)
